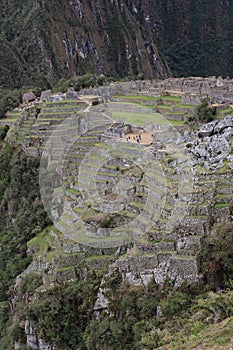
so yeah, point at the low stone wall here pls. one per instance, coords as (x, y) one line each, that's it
(141, 270)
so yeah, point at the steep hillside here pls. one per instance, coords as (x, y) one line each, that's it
(60, 38)
(118, 38)
(195, 37)
(139, 254)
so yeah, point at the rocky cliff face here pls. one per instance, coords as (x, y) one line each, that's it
(54, 39)
(194, 36)
(60, 38)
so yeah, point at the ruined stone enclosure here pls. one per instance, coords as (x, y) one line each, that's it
(116, 204)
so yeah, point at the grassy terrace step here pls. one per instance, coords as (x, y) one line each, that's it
(87, 179)
(114, 167)
(128, 214)
(137, 204)
(223, 205)
(194, 217)
(163, 107)
(54, 109)
(177, 122)
(91, 158)
(98, 175)
(224, 189)
(105, 174)
(53, 123)
(79, 143)
(74, 165)
(223, 198)
(228, 195)
(184, 257)
(74, 156)
(47, 117)
(90, 169)
(63, 103)
(176, 99)
(106, 242)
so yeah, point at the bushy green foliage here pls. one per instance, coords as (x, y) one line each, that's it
(106, 222)
(22, 212)
(201, 46)
(29, 284)
(9, 99)
(62, 314)
(216, 256)
(203, 112)
(133, 320)
(80, 82)
(3, 132)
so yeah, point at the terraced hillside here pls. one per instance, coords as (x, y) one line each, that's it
(123, 208)
(109, 196)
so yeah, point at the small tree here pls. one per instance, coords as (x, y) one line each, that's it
(203, 113)
(216, 256)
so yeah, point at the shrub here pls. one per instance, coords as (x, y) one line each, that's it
(203, 113)
(106, 222)
(29, 284)
(216, 256)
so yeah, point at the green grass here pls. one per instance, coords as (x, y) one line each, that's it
(177, 122)
(138, 205)
(148, 98)
(183, 105)
(226, 110)
(140, 118)
(137, 97)
(73, 191)
(62, 101)
(171, 98)
(222, 205)
(8, 120)
(167, 107)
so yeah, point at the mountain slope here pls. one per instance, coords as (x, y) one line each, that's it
(119, 38)
(60, 38)
(195, 37)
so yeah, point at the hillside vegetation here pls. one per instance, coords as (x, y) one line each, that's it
(49, 290)
(51, 40)
(45, 41)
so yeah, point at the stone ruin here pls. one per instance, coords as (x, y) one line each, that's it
(45, 95)
(192, 90)
(28, 97)
(173, 254)
(71, 94)
(213, 144)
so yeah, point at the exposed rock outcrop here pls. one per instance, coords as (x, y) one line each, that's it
(214, 144)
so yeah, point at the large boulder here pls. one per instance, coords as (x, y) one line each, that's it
(206, 129)
(28, 97)
(45, 95)
(71, 94)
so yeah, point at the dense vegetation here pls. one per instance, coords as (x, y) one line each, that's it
(43, 42)
(22, 212)
(194, 37)
(137, 317)
(9, 99)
